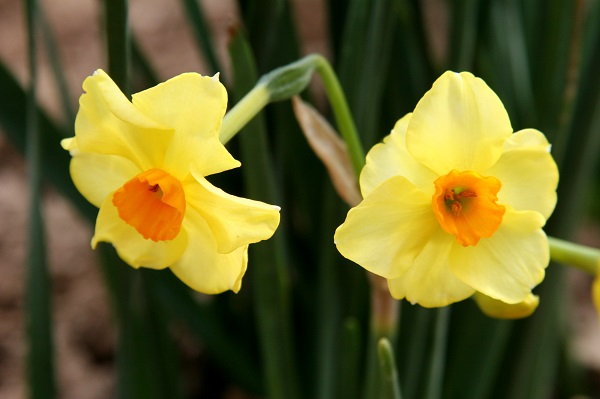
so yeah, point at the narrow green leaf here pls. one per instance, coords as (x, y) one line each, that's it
(350, 357)
(270, 31)
(463, 34)
(389, 373)
(328, 302)
(57, 70)
(202, 33)
(437, 362)
(226, 348)
(13, 118)
(143, 70)
(554, 33)
(353, 44)
(511, 62)
(535, 369)
(40, 352)
(268, 260)
(476, 351)
(118, 42)
(413, 345)
(577, 153)
(366, 67)
(147, 359)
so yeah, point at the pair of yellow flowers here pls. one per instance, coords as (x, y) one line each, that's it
(454, 201)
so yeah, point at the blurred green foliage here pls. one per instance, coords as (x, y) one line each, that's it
(300, 326)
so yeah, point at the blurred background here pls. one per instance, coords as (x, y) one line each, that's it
(541, 58)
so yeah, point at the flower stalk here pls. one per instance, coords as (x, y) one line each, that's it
(284, 83)
(576, 255)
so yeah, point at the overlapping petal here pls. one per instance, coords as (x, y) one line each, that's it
(130, 245)
(391, 158)
(193, 106)
(459, 124)
(509, 264)
(501, 310)
(107, 123)
(171, 132)
(388, 229)
(528, 173)
(201, 267)
(459, 127)
(428, 280)
(96, 176)
(233, 221)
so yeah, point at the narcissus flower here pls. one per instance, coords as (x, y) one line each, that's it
(454, 202)
(144, 164)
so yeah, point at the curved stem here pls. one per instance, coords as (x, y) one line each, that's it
(342, 113)
(243, 112)
(579, 256)
(287, 81)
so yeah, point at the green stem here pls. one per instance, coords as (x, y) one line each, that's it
(438, 354)
(243, 112)
(40, 373)
(579, 256)
(384, 324)
(342, 114)
(287, 81)
(389, 372)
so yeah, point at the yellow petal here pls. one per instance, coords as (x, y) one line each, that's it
(234, 221)
(96, 176)
(192, 105)
(391, 158)
(501, 310)
(509, 264)
(528, 173)
(69, 144)
(132, 247)
(388, 229)
(596, 290)
(201, 267)
(459, 124)
(107, 123)
(429, 281)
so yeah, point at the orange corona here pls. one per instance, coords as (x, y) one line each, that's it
(153, 202)
(465, 205)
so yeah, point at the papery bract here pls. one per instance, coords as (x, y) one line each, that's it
(144, 162)
(454, 202)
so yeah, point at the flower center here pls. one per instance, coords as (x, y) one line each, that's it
(465, 205)
(153, 202)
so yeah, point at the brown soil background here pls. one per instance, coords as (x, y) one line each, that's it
(83, 329)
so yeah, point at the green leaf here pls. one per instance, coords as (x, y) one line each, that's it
(210, 327)
(40, 354)
(13, 117)
(267, 260)
(463, 34)
(437, 362)
(476, 351)
(387, 362)
(201, 33)
(118, 42)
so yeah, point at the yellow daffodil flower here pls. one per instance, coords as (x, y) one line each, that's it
(144, 164)
(454, 202)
